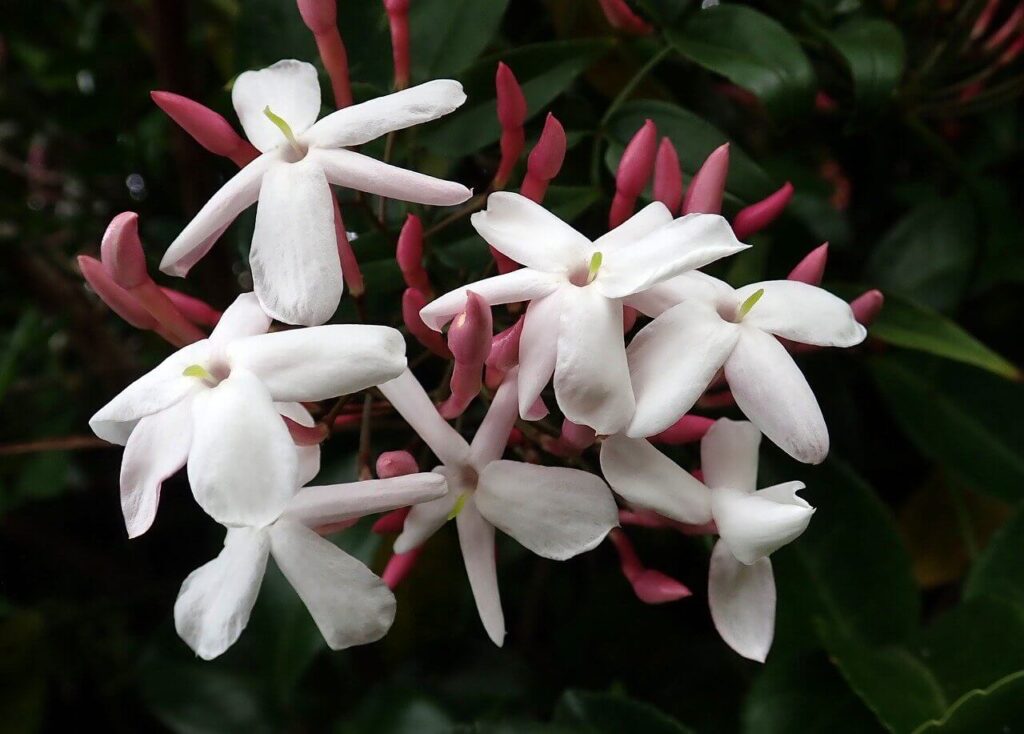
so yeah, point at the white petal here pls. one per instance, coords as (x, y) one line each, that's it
(476, 537)
(321, 362)
(244, 317)
(160, 388)
(556, 512)
(756, 525)
(538, 348)
(519, 285)
(689, 242)
(243, 464)
(216, 599)
(672, 361)
(426, 518)
(294, 257)
(156, 449)
(328, 504)
(362, 173)
(530, 234)
(742, 601)
(772, 392)
(591, 373)
(234, 197)
(492, 435)
(646, 478)
(289, 88)
(802, 313)
(369, 120)
(411, 401)
(728, 455)
(308, 456)
(690, 286)
(653, 216)
(350, 605)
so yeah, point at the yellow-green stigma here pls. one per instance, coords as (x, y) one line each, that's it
(595, 265)
(281, 125)
(197, 370)
(751, 302)
(459, 504)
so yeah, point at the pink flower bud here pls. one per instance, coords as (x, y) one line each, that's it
(635, 169)
(688, 429)
(629, 317)
(195, 310)
(469, 340)
(121, 251)
(504, 262)
(668, 176)
(206, 127)
(512, 116)
(320, 16)
(867, 306)
(621, 17)
(350, 270)
(545, 160)
(396, 464)
(760, 214)
(651, 587)
(708, 185)
(413, 302)
(984, 19)
(399, 566)
(302, 435)
(504, 353)
(117, 298)
(572, 441)
(1011, 24)
(812, 268)
(391, 522)
(409, 254)
(398, 19)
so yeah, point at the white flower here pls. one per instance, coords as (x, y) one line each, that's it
(217, 405)
(555, 512)
(573, 325)
(704, 324)
(751, 524)
(294, 255)
(350, 604)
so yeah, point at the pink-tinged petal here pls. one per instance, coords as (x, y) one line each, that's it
(635, 169)
(545, 160)
(742, 601)
(412, 402)
(289, 88)
(511, 115)
(708, 185)
(409, 254)
(651, 587)
(688, 429)
(772, 392)
(396, 464)
(668, 176)
(156, 449)
(621, 17)
(476, 538)
(867, 306)
(504, 354)
(802, 313)
(760, 214)
(728, 455)
(646, 478)
(514, 287)
(492, 436)
(244, 317)
(398, 21)
(538, 351)
(672, 361)
(117, 298)
(121, 251)
(413, 303)
(329, 504)
(469, 340)
(757, 524)
(399, 566)
(169, 320)
(206, 127)
(426, 518)
(362, 173)
(215, 601)
(194, 309)
(811, 269)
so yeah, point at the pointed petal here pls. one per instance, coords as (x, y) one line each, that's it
(409, 398)
(538, 349)
(772, 392)
(476, 538)
(530, 234)
(350, 605)
(591, 374)
(652, 217)
(756, 525)
(728, 455)
(556, 512)
(243, 464)
(156, 449)
(646, 478)
(492, 435)
(289, 88)
(519, 285)
(369, 120)
(324, 505)
(802, 313)
(742, 601)
(244, 317)
(426, 518)
(216, 599)
(672, 361)
(362, 173)
(308, 456)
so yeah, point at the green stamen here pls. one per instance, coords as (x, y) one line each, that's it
(751, 302)
(283, 126)
(459, 504)
(197, 370)
(595, 265)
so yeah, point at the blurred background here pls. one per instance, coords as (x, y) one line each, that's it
(902, 607)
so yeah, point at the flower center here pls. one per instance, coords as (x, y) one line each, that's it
(210, 377)
(281, 124)
(586, 277)
(730, 312)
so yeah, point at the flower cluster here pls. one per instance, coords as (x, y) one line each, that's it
(234, 407)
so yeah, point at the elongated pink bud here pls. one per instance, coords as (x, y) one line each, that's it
(760, 214)
(391, 522)
(409, 255)
(504, 352)
(651, 587)
(984, 19)
(545, 160)
(392, 464)
(398, 19)
(413, 301)
(708, 185)
(399, 566)
(302, 435)
(154, 300)
(321, 17)
(688, 429)
(350, 270)
(194, 309)
(621, 17)
(668, 176)
(469, 340)
(206, 127)
(635, 169)
(1007, 29)
(121, 251)
(117, 298)
(867, 306)
(512, 116)
(572, 441)
(812, 268)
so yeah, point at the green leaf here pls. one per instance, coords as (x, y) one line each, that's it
(963, 419)
(753, 51)
(694, 140)
(904, 323)
(998, 571)
(997, 708)
(607, 713)
(874, 53)
(448, 35)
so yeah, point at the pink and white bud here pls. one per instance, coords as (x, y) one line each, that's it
(398, 20)
(321, 17)
(688, 429)
(413, 301)
(194, 309)
(469, 340)
(867, 306)
(121, 251)
(621, 17)
(512, 116)
(635, 169)
(206, 127)
(399, 566)
(545, 160)
(409, 254)
(392, 464)
(812, 268)
(757, 216)
(668, 176)
(707, 188)
(651, 587)
(117, 298)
